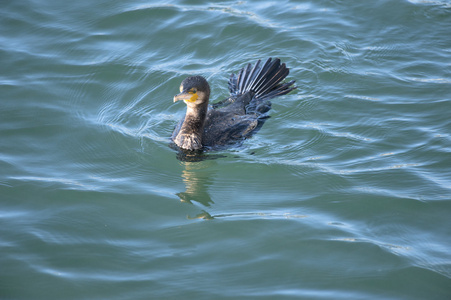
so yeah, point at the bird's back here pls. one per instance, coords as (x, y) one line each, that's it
(238, 116)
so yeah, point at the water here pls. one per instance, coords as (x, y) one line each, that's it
(345, 192)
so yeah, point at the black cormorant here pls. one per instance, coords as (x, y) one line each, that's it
(207, 126)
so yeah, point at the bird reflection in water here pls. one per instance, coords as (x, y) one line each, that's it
(198, 177)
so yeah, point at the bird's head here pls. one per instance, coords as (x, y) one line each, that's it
(194, 91)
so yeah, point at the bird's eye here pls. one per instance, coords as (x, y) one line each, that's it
(193, 91)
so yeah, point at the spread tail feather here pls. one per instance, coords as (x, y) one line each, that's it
(263, 80)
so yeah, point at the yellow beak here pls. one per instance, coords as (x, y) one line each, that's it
(186, 96)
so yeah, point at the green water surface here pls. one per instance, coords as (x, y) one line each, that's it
(344, 193)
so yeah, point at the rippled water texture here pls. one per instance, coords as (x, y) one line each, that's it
(345, 192)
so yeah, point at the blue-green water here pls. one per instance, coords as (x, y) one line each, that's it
(345, 192)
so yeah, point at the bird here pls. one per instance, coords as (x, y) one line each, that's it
(214, 126)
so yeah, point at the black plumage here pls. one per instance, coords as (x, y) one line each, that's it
(235, 118)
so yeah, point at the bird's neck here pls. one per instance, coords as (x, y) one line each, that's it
(191, 132)
(195, 118)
